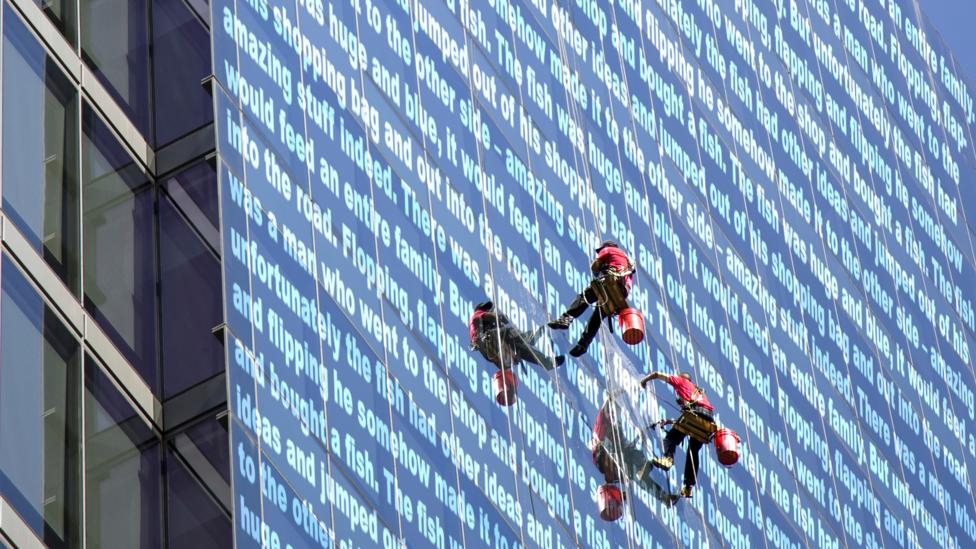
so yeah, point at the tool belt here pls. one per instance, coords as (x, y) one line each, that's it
(694, 425)
(610, 292)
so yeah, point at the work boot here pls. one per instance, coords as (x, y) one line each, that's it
(578, 350)
(561, 323)
(686, 491)
(663, 462)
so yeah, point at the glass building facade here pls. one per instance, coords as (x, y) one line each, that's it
(240, 241)
(113, 427)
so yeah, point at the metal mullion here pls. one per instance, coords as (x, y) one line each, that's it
(15, 530)
(80, 215)
(157, 289)
(83, 448)
(80, 182)
(151, 85)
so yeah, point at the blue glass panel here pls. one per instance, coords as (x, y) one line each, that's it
(115, 43)
(40, 156)
(181, 59)
(123, 477)
(189, 303)
(199, 183)
(194, 518)
(40, 413)
(120, 264)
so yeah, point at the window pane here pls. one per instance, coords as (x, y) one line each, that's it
(119, 276)
(190, 303)
(122, 469)
(40, 158)
(197, 466)
(115, 44)
(181, 59)
(63, 14)
(196, 184)
(39, 413)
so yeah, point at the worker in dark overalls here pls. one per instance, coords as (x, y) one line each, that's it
(611, 263)
(614, 455)
(501, 343)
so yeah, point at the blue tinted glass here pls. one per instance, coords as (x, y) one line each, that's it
(181, 59)
(190, 304)
(194, 191)
(122, 470)
(115, 43)
(119, 275)
(40, 153)
(198, 501)
(39, 413)
(210, 438)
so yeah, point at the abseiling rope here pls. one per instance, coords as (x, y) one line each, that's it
(573, 111)
(680, 274)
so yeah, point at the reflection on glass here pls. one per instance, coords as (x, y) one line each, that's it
(40, 159)
(181, 59)
(39, 413)
(64, 15)
(194, 191)
(190, 302)
(119, 272)
(198, 502)
(115, 44)
(122, 472)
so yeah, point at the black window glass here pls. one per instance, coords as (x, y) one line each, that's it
(196, 184)
(181, 59)
(115, 44)
(40, 152)
(198, 502)
(122, 469)
(119, 262)
(39, 413)
(190, 300)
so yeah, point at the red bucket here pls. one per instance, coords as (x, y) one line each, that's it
(610, 501)
(504, 387)
(727, 446)
(631, 326)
